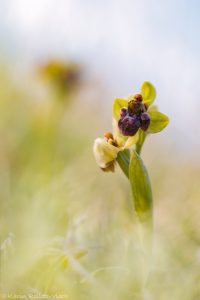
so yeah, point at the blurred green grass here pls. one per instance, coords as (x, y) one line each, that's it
(66, 227)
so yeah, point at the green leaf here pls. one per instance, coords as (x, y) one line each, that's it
(117, 104)
(158, 121)
(141, 188)
(148, 93)
(123, 158)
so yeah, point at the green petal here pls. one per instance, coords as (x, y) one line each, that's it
(117, 104)
(141, 188)
(158, 121)
(148, 93)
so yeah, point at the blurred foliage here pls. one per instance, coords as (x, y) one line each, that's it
(68, 229)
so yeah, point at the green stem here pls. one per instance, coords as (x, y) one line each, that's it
(123, 161)
(140, 142)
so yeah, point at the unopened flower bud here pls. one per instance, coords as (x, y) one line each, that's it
(129, 125)
(145, 121)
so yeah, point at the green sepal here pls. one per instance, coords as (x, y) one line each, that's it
(158, 121)
(148, 93)
(141, 188)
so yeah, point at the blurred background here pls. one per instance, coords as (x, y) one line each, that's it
(66, 228)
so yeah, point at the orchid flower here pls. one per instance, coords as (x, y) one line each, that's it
(133, 119)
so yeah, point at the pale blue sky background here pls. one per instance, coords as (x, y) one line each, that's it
(124, 41)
